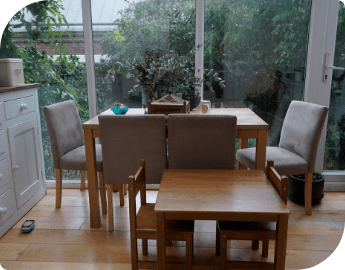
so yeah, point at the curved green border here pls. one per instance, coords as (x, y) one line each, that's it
(9, 8)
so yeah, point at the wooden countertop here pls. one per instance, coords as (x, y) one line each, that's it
(18, 87)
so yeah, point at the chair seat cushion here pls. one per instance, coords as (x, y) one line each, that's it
(246, 226)
(285, 162)
(146, 220)
(76, 160)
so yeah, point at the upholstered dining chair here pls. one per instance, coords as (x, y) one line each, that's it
(67, 145)
(143, 224)
(127, 139)
(242, 230)
(201, 141)
(296, 153)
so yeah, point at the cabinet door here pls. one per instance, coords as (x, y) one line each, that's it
(26, 165)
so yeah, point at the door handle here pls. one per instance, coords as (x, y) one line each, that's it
(327, 67)
(3, 210)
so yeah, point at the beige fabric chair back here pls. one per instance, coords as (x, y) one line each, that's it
(64, 127)
(201, 141)
(126, 139)
(302, 129)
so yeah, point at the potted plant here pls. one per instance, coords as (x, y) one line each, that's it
(296, 188)
(160, 72)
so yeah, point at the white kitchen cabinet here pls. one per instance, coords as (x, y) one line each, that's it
(22, 178)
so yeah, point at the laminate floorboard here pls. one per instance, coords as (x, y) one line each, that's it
(62, 238)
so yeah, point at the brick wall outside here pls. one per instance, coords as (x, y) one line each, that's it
(76, 47)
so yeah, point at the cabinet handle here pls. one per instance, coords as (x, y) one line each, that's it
(1, 177)
(23, 106)
(15, 167)
(3, 210)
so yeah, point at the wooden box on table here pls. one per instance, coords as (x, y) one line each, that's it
(169, 104)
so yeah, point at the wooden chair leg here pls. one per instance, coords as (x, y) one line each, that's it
(144, 247)
(223, 250)
(255, 244)
(217, 241)
(265, 246)
(110, 208)
(189, 252)
(82, 180)
(122, 199)
(115, 187)
(58, 176)
(103, 193)
(308, 192)
(134, 252)
(241, 166)
(125, 187)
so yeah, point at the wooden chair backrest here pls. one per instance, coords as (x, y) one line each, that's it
(280, 183)
(136, 183)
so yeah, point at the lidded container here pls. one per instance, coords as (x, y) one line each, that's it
(11, 72)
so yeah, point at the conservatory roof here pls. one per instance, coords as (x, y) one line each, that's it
(104, 14)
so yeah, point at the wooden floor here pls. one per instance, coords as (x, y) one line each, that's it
(62, 238)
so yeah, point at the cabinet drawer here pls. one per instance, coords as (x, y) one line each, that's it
(20, 106)
(3, 141)
(6, 206)
(4, 174)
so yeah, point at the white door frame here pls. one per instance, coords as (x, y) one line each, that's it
(322, 36)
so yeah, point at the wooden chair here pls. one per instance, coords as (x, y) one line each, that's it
(228, 230)
(143, 224)
(296, 154)
(67, 145)
(126, 138)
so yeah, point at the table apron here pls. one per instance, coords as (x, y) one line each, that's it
(222, 216)
(241, 133)
(247, 133)
(95, 133)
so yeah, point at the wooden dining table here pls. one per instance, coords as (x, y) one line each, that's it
(249, 125)
(231, 195)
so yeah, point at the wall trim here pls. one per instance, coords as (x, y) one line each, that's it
(334, 186)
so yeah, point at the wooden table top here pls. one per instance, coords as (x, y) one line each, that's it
(218, 191)
(246, 118)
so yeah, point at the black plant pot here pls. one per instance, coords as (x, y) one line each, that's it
(194, 100)
(296, 188)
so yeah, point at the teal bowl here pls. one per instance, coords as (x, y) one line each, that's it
(118, 110)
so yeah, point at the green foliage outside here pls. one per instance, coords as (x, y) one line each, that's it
(61, 79)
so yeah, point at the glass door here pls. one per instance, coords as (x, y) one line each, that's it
(325, 83)
(334, 155)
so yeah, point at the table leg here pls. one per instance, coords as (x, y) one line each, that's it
(261, 150)
(281, 241)
(161, 250)
(243, 144)
(90, 152)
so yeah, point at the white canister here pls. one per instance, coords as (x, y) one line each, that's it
(204, 103)
(11, 72)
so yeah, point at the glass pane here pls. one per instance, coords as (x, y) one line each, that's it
(48, 36)
(335, 139)
(259, 47)
(122, 30)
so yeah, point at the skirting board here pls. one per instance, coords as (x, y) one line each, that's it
(76, 184)
(334, 186)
